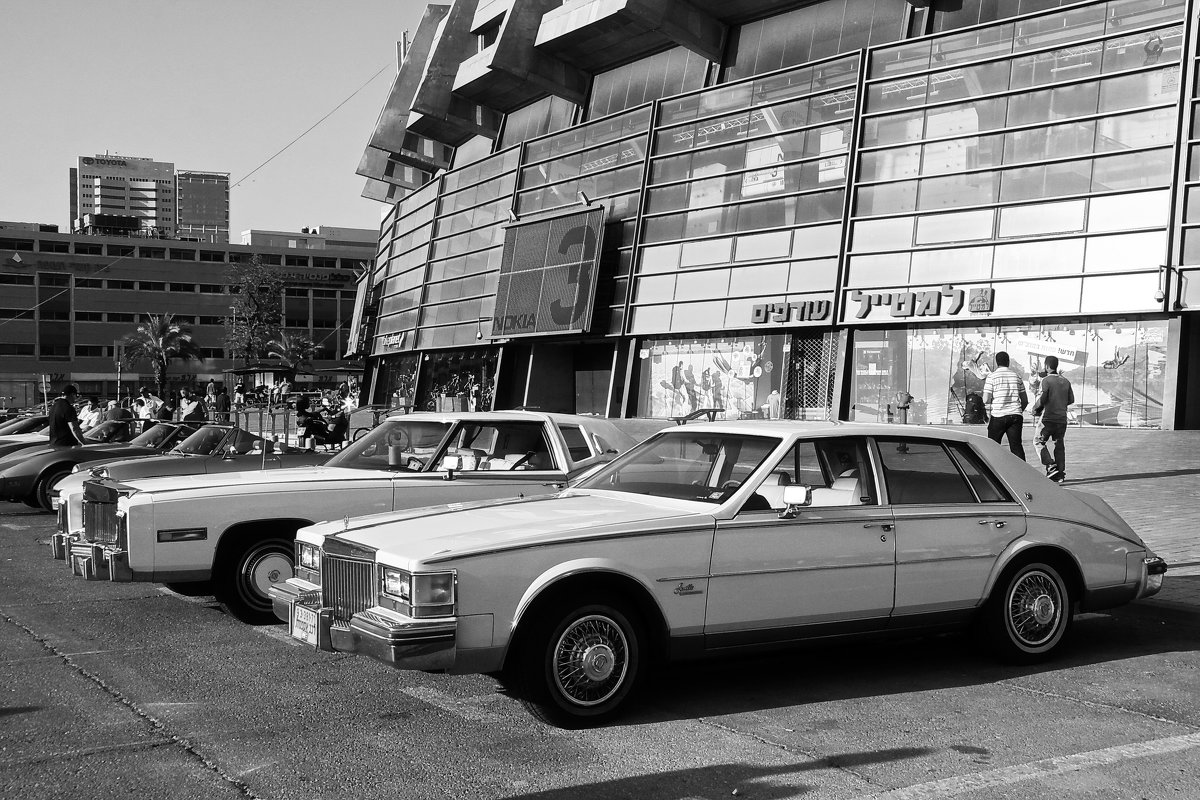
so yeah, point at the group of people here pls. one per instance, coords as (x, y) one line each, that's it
(1005, 399)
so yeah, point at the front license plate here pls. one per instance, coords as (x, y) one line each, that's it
(304, 625)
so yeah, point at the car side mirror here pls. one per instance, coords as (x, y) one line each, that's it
(795, 497)
(450, 464)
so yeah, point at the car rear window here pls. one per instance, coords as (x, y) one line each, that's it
(985, 484)
(918, 471)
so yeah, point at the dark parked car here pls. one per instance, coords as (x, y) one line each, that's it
(109, 432)
(28, 475)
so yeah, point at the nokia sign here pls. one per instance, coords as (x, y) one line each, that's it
(547, 281)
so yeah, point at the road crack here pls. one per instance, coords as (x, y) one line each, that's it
(1096, 705)
(155, 724)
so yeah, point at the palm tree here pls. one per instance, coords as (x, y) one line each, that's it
(294, 350)
(160, 340)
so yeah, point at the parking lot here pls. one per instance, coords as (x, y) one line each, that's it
(122, 690)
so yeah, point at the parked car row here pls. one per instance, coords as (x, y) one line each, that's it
(520, 544)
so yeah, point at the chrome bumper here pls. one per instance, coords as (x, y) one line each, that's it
(1152, 577)
(97, 562)
(60, 545)
(425, 645)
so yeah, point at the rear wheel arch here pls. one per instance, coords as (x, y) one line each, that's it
(245, 567)
(1056, 556)
(581, 588)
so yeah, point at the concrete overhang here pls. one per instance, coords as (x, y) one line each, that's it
(512, 72)
(436, 112)
(596, 35)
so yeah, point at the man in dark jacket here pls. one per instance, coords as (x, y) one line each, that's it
(221, 405)
(64, 422)
(1051, 408)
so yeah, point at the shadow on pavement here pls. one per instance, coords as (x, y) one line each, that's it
(1130, 476)
(852, 671)
(725, 779)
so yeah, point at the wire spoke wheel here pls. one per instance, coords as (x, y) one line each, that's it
(1035, 608)
(591, 659)
(1029, 614)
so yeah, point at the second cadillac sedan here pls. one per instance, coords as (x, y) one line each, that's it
(716, 538)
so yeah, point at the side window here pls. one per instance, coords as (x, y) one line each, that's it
(920, 471)
(502, 446)
(577, 444)
(987, 488)
(836, 469)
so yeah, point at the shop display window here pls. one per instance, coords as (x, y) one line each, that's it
(741, 376)
(1116, 369)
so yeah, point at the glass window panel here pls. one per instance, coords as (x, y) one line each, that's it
(890, 269)
(1139, 89)
(664, 258)
(810, 276)
(876, 235)
(1131, 251)
(1125, 211)
(975, 45)
(655, 289)
(763, 246)
(883, 165)
(1064, 26)
(671, 169)
(960, 227)
(966, 118)
(1191, 251)
(782, 86)
(709, 251)
(897, 94)
(1056, 296)
(821, 207)
(696, 316)
(1132, 171)
(1144, 129)
(1031, 259)
(823, 240)
(663, 229)
(901, 60)
(764, 214)
(953, 191)
(650, 319)
(1142, 49)
(973, 81)
(702, 285)
(889, 198)
(667, 198)
(1071, 63)
(708, 221)
(1118, 293)
(1042, 218)
(957, 155)
(1051, 180)
(760, 280)
(1056, 141)
(941, 266)
(893, 129)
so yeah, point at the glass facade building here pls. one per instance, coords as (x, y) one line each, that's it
(842, 210)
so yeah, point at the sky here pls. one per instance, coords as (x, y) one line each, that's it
(211, 85)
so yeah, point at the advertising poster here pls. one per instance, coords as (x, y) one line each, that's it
(742, 376)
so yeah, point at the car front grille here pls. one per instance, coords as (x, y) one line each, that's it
(99, 521)
(347, 585)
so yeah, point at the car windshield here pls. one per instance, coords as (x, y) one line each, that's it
(23, 425)
(395, 444)
(203, 442)
(154, 436)
(111, 431)
(701, 466)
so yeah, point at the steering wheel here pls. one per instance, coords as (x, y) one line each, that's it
(729, 486)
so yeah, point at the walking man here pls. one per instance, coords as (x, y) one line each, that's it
(1005, 398)
(1051, 405)
(64, 422)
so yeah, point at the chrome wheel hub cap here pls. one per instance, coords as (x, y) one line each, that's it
(598, 662)
(1043, 609)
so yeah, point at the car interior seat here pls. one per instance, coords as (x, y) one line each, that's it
(771, 489)
(844, 491)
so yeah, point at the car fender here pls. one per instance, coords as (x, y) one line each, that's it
(1039, 533)
(556, 574)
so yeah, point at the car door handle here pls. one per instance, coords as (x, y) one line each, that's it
(887, 526)
(999, 523)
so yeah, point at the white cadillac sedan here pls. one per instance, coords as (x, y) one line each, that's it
(711, 538)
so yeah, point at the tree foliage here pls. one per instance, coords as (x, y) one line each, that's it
(158, 341)
(295, 351)
(256, 307)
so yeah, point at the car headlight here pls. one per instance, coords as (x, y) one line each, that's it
(425, 594)
(308, 556)
(75, 468)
